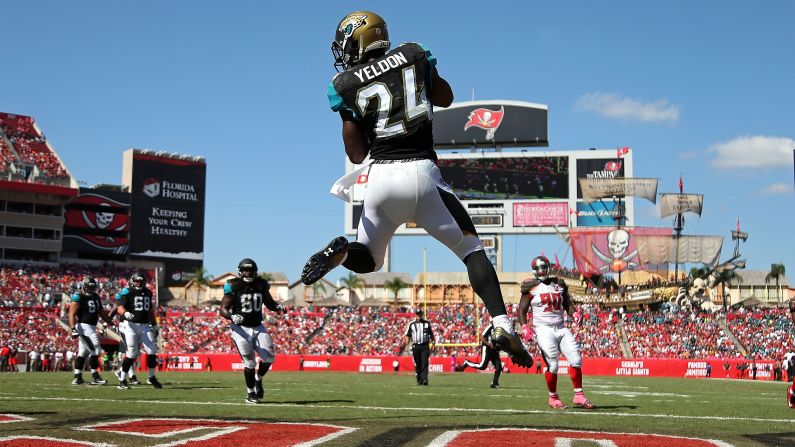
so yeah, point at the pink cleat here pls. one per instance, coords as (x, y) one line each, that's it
(581, 401)
(790, 397)
(555, 402)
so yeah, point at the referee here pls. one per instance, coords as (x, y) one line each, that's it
(420, 335)
(488, 354)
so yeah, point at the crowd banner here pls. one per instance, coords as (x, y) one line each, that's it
(683, 368)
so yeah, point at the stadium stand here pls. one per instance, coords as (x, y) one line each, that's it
(677, 334)
(764, 333)
(27, 286)
(31, 145)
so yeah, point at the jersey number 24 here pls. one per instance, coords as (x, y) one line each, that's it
(415, 104)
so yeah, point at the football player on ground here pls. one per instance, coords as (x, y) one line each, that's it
(547, 298)
(84, 313)
(242, 304)
(790, 391)
(385, 99)
(488, 354)
(134, 304)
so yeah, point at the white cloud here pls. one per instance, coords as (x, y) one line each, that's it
(778, 188)
(689, 155)
(611, 105)
(754, 152)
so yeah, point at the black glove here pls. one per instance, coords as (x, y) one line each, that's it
(74, 332)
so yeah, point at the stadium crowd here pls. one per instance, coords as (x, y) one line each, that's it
(30, 298)
(30, 145)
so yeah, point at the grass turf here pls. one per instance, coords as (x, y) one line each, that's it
(392, 410)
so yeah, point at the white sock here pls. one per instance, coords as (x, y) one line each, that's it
(251, 390)
(504, 322)
(78, 372)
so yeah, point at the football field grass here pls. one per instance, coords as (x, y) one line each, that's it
(390, 409)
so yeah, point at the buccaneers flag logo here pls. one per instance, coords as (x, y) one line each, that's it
(613, 166)
(486, 119)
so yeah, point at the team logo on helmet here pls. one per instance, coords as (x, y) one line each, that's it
(489, 120)
(352, 23)
(152, 187)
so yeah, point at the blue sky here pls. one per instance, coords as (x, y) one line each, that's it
(704, 89)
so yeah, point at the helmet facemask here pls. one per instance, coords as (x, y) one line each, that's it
(89, 286)
(137, 281)
(248, 274)
(540, 266)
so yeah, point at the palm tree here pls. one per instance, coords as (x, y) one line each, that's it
(777, 271)
(317, 288)
(202, 278)
(395, 285)
(351, 282)
(722, 278)
(266, 276)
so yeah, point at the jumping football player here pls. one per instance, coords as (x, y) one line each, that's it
(242, 305)
(385, 99)
(135, 305)
(84, 313)
(488, 354)
(547, 298)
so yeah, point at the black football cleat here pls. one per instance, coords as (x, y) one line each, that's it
(134, 381)
(97, 380)
(259, 390)
(78, 380)
(494, 385)
(323, 261)
(511, 344)
(154, 382)
(252, 398)
(123, 385)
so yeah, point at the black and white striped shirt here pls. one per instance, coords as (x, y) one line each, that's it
(420, 332)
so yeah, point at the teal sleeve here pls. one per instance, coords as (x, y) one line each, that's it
(123, 294)
(75, 298)
(429, 55)
(227, 289)
(334, 99)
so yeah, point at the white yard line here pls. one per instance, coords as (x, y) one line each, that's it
(419, 409)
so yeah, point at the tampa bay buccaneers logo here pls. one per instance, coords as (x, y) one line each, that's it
(613, 166)
(489, 120)
(98, 219)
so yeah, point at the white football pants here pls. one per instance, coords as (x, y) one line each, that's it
(253, 339)
(554, 340)
(89, 341)
(413, 191)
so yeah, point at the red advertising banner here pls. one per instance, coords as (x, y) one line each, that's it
(684, 368)
(536, 214)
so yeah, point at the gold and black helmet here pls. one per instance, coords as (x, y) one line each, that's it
(358, 33)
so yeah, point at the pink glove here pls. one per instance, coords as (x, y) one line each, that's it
(527, 332)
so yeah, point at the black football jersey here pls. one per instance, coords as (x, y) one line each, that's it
(388, 97)
(248, 298)
(137, 302)
(88, 312)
